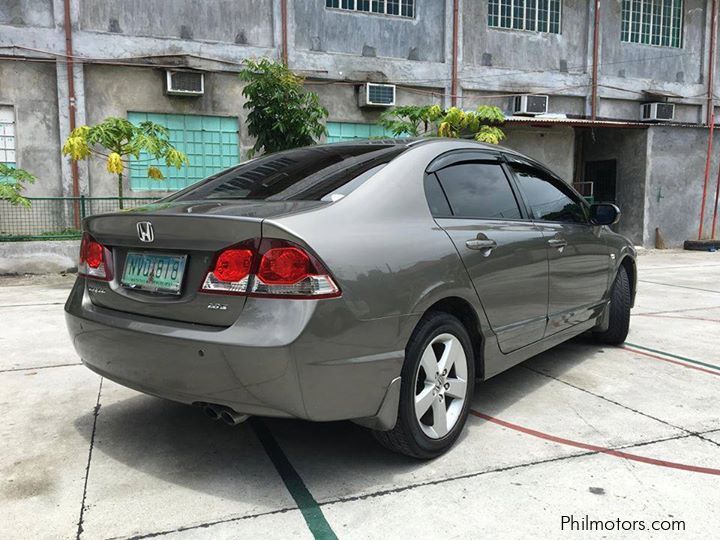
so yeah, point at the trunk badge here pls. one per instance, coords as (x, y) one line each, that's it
(219, 307)
(145, 231)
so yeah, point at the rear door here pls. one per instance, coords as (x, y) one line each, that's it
(578, 257)
(505, 254)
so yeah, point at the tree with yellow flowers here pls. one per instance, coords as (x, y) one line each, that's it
(430, 120)
(120, 139)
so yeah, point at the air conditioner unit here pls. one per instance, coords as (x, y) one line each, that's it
(657, 112)
(376, 95)
(530, 105)
(184, 83)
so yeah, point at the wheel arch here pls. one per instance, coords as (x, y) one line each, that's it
(466, 314)
(628, 263)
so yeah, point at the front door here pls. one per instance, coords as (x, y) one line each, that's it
(504, 253)
(579, 259)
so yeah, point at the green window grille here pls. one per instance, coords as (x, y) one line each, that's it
(210, 143)
(345, 131)
(530, 15)
(652, 22)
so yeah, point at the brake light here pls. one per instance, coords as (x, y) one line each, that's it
(230, 272)
(284, 266)
(270, 268)
(94, 259)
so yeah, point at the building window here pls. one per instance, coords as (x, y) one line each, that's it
(7, 136)
(531, 15)
(346, 131)
(652, 22)
(210, 143)
(399, 8)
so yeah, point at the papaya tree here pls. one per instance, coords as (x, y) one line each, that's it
(12, 183)
(430, 120)
(116, 140)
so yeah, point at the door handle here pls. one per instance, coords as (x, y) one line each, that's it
(481, 244)
(557, 243)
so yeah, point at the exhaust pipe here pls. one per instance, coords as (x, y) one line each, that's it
(221, 412)
(211, 412)
(232, 418)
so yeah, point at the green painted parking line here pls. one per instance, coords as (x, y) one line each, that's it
(683, 358)
(307, 504)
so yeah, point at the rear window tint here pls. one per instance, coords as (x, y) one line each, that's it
(302, 174)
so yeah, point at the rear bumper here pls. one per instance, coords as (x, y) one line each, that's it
(304, 359)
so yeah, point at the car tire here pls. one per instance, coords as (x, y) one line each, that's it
(438, 339)
(620, 300)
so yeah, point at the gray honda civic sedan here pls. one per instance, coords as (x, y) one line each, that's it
(373, 281)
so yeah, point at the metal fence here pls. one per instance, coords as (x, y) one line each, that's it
(56, 218)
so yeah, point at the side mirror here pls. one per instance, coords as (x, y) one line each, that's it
(604, 214)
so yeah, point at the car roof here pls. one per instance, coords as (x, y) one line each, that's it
(415, 141)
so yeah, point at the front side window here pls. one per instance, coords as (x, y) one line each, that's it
(532, 15)
(652, 22)
(400, 8)
(546, 198)
(478, 190)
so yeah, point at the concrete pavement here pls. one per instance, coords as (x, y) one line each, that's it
(629, 433)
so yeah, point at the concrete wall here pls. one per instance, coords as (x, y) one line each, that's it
(341, 101)
(676, 166)
(27, 12)
(633, 60)
(554, 147)
(629, 148)
(39, 257)
(496, 47)
(340, 31)
(246, 22)
(31, 89)
(113, 91)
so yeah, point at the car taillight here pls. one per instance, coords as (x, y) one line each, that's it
(230, 272)
(270, 268)
(94, 259)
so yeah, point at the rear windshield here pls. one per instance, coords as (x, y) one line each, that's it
(313, 173)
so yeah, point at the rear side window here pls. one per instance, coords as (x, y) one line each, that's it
(311, 173)
(547, 198)
(479, 190)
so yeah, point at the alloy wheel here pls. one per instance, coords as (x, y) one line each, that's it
(441, 386)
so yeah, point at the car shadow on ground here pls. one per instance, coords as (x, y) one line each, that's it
(176, 443)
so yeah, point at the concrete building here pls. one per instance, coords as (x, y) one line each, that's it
(74, 62)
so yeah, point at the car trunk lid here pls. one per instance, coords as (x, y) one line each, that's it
(191, 231)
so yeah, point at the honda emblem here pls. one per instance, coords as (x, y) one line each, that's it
(145, 231)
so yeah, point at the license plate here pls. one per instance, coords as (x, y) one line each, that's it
(153, 272)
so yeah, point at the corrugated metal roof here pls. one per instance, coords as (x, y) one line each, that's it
(585, 122)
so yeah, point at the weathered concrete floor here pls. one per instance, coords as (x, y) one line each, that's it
(81, 457)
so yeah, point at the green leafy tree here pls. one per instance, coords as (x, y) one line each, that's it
(117, 139)
(430, 120)
(283, 114)
(411, 120)
(12, 183)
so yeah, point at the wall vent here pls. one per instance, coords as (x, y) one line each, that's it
(184, 83)
(657, 112)
(376, 95)
(530, 105)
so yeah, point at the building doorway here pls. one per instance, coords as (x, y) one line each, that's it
(603, 176)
